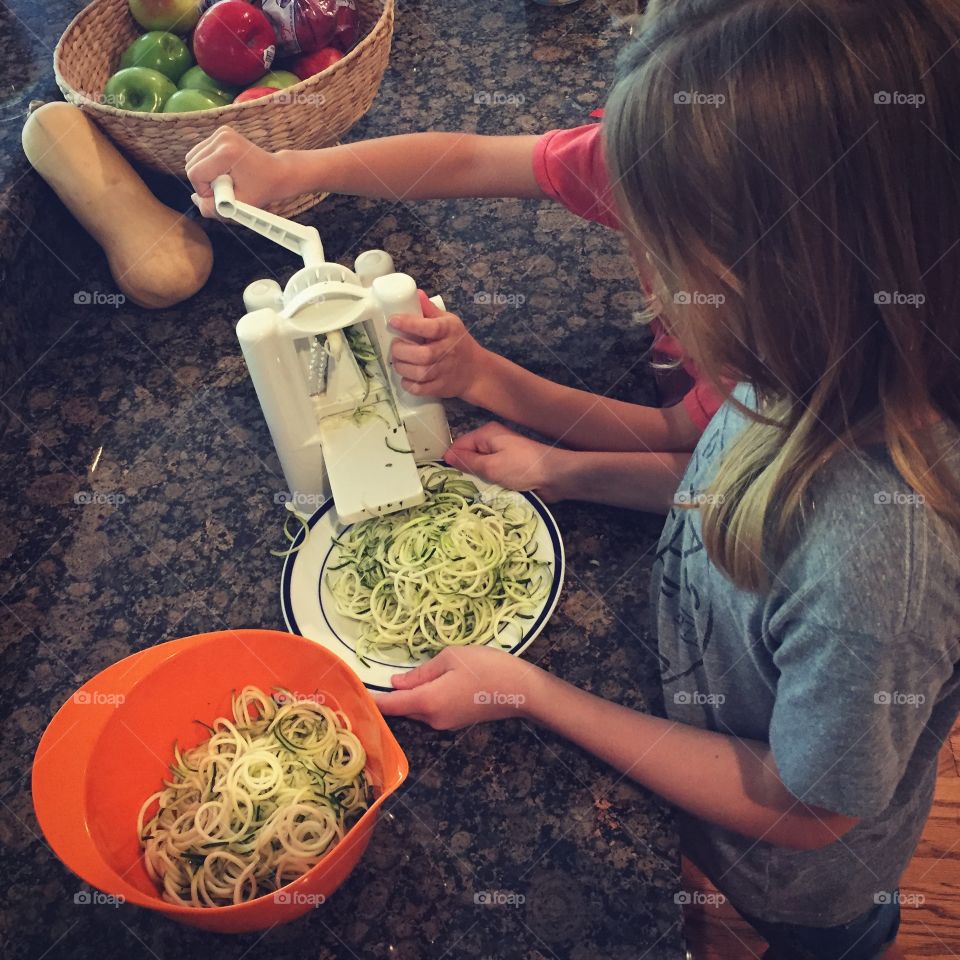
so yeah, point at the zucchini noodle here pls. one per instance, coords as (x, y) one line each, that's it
(363, 351)
(255, 805)
(458, 569)
(303, 519)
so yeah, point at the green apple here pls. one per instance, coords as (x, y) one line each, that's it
(278, 79)
(178, 15)
(161, 51)
(186, 101)
(140, 89)
(196, 79)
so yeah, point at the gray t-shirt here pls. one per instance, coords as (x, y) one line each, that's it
(847, 665)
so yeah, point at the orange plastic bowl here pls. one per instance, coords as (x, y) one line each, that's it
(108, 748)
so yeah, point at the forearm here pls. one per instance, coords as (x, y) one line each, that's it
(639, 481)
(729, 782)
(577, 418)
(416, 166)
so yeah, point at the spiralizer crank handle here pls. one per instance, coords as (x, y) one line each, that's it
(302, 240)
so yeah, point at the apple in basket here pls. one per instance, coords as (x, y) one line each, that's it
(255, 93)
(159, 50)
(138, 88)
(234, 42)
(177, 15)
(311, 64)
(187, 101)
(196, 79)
(278, 78)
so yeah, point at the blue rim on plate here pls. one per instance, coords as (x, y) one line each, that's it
(547, 524)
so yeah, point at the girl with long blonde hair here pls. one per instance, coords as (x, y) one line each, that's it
(788, 176)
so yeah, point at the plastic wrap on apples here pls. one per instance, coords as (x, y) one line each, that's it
(303, 26)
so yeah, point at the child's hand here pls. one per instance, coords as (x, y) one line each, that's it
(461, 686)
(499, 455)
(445, 362)
(257, 174)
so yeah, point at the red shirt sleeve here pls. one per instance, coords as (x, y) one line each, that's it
(570, 168)
(703, 399)
(702, 402)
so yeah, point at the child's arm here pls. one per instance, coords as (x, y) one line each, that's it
(578, 418)
(415, 166)
(727, 781)
(448, 362)
(639, 480)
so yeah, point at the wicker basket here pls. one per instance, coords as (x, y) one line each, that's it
(314, 113)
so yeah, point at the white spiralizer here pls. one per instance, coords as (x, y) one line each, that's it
(318, 354)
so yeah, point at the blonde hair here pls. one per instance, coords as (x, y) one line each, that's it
(794, 172)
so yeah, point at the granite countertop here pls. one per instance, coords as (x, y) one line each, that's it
(176, 539)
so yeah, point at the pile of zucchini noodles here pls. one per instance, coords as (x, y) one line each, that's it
(458, 569)
(257, 804)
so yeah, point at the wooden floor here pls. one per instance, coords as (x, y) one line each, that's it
(930, 889)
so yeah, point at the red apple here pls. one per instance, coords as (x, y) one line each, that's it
(254, 93)
(234, 42)
(313, 63)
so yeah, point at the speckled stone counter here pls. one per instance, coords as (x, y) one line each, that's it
(175, 538)
(29, 32)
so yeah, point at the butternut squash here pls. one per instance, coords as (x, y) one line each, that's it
(157, 256)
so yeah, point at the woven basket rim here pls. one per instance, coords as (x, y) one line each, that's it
(80, 97)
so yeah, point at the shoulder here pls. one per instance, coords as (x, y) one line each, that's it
(570, 168)
(719, 434)
(870, 555)
(867, 554)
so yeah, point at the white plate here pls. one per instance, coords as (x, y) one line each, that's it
(309, 609)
